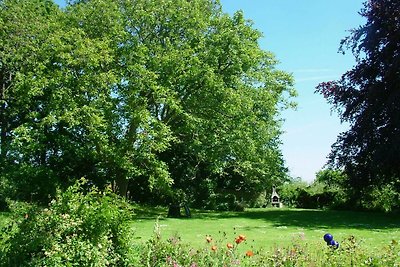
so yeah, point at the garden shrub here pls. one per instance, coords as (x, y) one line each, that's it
(80, 227)
(383, 198)
(289, 193)
(320, 194)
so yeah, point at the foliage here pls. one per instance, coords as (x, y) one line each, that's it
(290, 191)
(384, 198)
(330, 190)
(367, 97)
(81, 227)
(140, 94)
(327, 191)
(334, 184)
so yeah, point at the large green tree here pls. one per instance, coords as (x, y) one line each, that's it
(146, 93)
(368, 97)
(25, 27)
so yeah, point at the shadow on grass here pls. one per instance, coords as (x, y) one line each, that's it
(292, 217)
(315, 218)
(144, 212)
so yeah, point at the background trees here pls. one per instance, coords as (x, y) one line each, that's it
(367, 97)
(139, 94)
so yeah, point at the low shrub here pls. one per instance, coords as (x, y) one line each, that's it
(79, 228)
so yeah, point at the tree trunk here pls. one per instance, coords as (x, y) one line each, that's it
(121, 186)
(3, 122)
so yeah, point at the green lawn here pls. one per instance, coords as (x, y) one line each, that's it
(267, 228)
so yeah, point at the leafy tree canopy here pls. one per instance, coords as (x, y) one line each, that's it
(368, 97)
(143, 94)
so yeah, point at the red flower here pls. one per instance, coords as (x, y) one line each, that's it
(229, 245)
(209, 239)
(240, 239)
(214, 248)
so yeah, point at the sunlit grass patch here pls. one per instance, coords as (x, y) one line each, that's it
(268, 228)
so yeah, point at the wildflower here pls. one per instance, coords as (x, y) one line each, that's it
(209, 239)
(229, 245)
(214, 248)
(249, 253)
(240, 239)
(243, 237)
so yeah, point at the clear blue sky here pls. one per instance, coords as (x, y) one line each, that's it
(305, 35)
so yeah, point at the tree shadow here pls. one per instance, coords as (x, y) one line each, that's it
(144, 212)
(302, 218)
(314, 218)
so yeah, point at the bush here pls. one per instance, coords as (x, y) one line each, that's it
(77, 229)
(382, 198)
(290, 193)
(327, 191)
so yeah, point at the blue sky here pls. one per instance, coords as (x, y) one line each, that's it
(305, 36)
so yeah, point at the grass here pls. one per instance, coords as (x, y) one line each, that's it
(268, 228)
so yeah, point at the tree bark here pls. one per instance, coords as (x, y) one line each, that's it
(121, 186)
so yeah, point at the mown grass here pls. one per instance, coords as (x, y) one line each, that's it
(269, 228)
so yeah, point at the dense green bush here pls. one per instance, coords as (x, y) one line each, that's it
(290, 192)
(383, 198)
(329, 190)
(80, 227)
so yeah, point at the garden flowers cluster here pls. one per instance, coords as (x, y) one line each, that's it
(230, 246)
